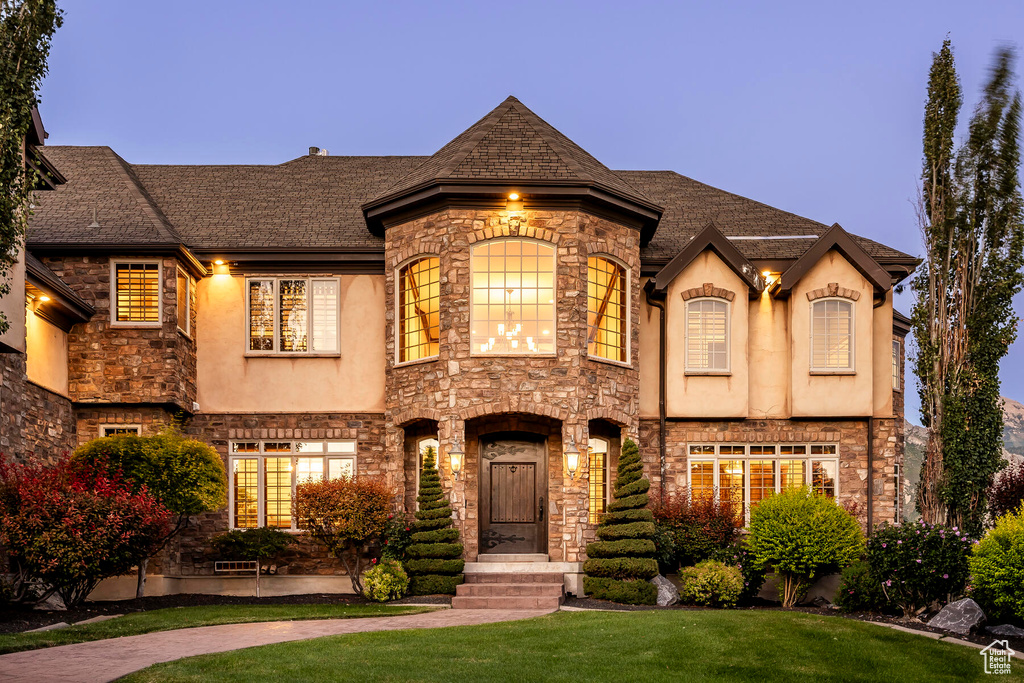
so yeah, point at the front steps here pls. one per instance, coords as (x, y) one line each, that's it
(513, 582)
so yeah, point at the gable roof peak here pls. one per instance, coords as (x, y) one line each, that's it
(835, 238)
(710, 237)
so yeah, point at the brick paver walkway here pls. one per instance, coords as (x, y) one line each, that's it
(107, 660)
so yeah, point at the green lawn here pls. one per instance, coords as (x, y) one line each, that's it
(186, 617)
(604, 646)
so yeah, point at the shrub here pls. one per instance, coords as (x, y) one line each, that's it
(737, 555)
(997, 568)
(395, 540)
(345, 516)
(918, 563)
(860, 590)
(1007, 491)
(693, 529)
(801, 536)
(622, 561)
(386, 580)
(263, 543)
(434, 557)
(711, 584)
(68, 527)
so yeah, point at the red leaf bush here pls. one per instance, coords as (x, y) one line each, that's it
(692, 529)
(1007, 491)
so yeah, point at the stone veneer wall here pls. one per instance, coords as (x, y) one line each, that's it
(33, 421)
(569, 388)
(90, 416)
(191, 553)
(123, 364)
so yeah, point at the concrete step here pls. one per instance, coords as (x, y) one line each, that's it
(514, 577)
(510, 557)
(524, 567)
(507, 602)
(480, 590)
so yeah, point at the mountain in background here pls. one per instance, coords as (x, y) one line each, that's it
(915, 439)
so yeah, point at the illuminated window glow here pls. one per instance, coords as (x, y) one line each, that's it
(707, 335)
(606, 309)
(294, 316)
(419, 298)
(137, 292)
(832, 335)
(598, 475)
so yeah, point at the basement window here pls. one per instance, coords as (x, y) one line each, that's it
(293, 316)
(120, 430)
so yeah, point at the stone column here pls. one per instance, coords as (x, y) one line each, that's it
(573, 495)
(448, 432)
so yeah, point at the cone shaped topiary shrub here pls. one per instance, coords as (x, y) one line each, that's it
(622, 561)
(434, 560)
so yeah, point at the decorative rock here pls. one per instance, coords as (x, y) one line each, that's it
(962, 616)
(54, 603)
(668, 594)
(1006, 630)
(50, 627)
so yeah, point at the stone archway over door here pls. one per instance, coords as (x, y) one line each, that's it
(513, 494)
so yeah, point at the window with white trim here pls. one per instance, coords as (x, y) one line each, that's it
(832, 335)
(135, 293)
(120, 430)
(184, 302)
(896, 364)
(264, 475)
(743, 475)
(292, 316)
(707, 335)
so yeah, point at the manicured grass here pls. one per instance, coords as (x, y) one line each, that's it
(603, 646)
(186, 617)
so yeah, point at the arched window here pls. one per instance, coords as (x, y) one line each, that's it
(513, 294)
(707, 335)
(419, 297)
(606, 309)
(832, 335)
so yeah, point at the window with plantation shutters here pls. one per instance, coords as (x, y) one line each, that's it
(136, 295)
(832, 335)
(707, 335)
(293, 316)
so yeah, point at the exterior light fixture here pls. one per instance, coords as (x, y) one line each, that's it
(514, 196)
(44, 298)
(456, 457)
(515, 202)
(572, 458)
(218, 262)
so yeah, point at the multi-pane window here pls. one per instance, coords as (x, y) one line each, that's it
(264, 475)
(184, 302)
(293, 315)
(422, 446)
(741, 476)
(597, 464)
(513, 297)
(832, 335)
(136, 293)
(120, 430)
(896, 364)
(606, 309)
(419, 306)
(707, 335)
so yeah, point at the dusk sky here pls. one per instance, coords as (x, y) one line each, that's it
(807, 106)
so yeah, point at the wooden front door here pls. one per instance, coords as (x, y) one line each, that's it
(513, 494)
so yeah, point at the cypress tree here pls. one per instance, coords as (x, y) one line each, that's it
(621, 563)
(435, 557)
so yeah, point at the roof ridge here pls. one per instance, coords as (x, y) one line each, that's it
(482, 127)
(149, 206)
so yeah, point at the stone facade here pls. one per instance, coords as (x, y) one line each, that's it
(150, 419)
(33, 421)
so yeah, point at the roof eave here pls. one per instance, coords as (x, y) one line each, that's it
(65, 307)
(710, 238)
(834, 238)
(184, 254)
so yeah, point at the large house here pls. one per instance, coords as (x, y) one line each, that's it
(509, 300)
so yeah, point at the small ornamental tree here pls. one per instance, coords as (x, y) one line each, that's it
(1007, 492)
(262, 543)
(621, 563)
(66, 527)
(802, 536)
(345, 516)
(434, 559)
(186, 475)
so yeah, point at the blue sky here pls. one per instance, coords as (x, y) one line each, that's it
(809, 106)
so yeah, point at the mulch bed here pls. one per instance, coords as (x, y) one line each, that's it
(14, 619)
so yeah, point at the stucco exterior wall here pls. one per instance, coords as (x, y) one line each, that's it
(12, 306)
(47, 354)
(229, 381)
(650, 344)
(882, 337)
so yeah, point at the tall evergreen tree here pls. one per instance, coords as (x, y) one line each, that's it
(26, 27)
(622, 562)
(435, 561)
(964, 321)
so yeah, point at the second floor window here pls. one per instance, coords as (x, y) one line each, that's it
(606, 309)
(293, 315)
(707, 335)
(896, 364)
(184, 302)
(419, 306)
(832, 335)
(136, 295)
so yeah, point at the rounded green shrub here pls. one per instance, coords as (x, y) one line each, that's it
(711, 584)
(860, 590)
(434, 560)
(802, 536)
(739, 556)
(997, 568)
(385, 581)
(621, 562)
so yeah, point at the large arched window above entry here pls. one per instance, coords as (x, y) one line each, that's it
(606, 309)
(419, 299)
(513, 295)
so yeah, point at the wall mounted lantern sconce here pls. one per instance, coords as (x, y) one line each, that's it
(572, 458)
(456, 457)
(514, 202)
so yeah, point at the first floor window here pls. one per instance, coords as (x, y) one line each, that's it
(597, 456)
(422, 448)
(741, 476)
(293, 315)
(264, 475)
(136, 293)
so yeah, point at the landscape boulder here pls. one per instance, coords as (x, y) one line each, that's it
(962, 616)
(1006, 630)
(668, 594)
